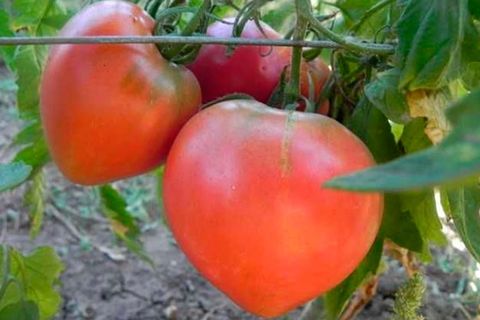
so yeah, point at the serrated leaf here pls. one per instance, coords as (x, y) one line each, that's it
(34, 198)
(20, 310)
(336, 299)
(464, 208)
(384, 94)
(28, 68)
(13, 174)
(33, 18)
(37, 275)
(39, 17)
(430, 39)
(123, 222)
(457, 157)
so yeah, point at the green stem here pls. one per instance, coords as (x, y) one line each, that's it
(189, 29)
(352, 45)
(292, 90)
(377, 7)
(247, 12)
(6, 271)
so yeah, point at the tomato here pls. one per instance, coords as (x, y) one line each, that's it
(244, 199)
(252, 70)
(112, 111)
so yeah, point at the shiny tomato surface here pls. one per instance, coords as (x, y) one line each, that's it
(112, 111)
(244, 199)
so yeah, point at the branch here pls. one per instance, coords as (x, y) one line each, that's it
(344, 42)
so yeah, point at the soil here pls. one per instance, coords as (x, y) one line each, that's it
(99, 286)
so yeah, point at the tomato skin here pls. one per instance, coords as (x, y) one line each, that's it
(252, 70)
(244, 199)
(112, 111)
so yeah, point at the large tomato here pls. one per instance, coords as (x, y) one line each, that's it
(252, 70)
(244, 199)
(112, 111)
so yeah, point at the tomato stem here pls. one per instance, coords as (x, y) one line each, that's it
(197, 20)
(292, 90)
(346, 42)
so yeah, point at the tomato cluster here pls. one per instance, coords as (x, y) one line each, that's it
(243, 182)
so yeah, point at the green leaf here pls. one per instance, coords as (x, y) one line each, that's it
(35, 155)
(464, 206)
(471, 56)
(424, 213)
(414, 138)
(336, 299)
(122, 221)
(430, 39)
(474, 8)
(456, 158)
(353, 11)
(39, 17)
(384, 94)
(279, 15)
(399, 226)
(29, 134)
(13, 174)
(6, 52)
(34, 278)
(34, 199)
(372, 127)
(29, 66)
(33, 18)
(20, 310)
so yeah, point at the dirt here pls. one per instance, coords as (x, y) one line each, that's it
(97, 286)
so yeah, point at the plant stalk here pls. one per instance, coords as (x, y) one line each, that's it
(292, 90)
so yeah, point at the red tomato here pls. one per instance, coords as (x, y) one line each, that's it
(112, 111)
(252, 70)
(244, 199)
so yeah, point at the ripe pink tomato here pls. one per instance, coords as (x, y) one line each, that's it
(244, 199)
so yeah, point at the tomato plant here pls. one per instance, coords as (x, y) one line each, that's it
(273, 206)
(258, 190)
(114, 114)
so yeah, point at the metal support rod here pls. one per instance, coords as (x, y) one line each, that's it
(5, 41)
